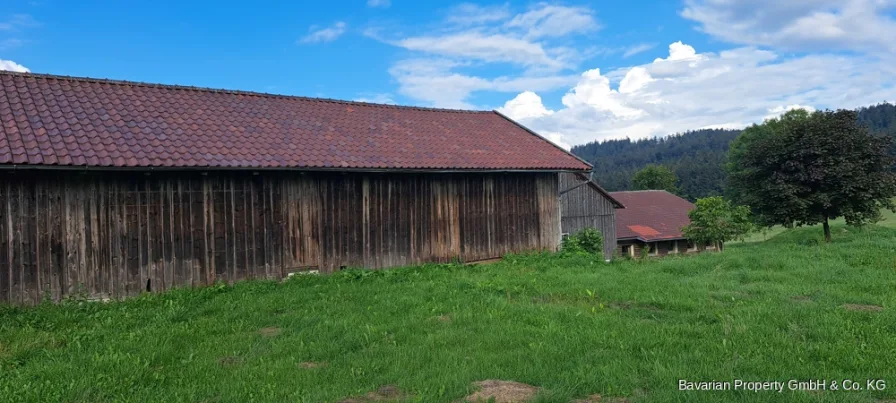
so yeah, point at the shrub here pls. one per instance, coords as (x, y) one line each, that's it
(587, 242)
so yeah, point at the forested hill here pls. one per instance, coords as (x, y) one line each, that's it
(697, 157)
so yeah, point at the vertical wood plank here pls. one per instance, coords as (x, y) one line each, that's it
(5, 238)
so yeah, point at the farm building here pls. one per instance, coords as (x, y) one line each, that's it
(111, 188)
(651, 223)
(584, 204)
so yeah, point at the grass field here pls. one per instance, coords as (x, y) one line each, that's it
(764, 311)
(889, 221)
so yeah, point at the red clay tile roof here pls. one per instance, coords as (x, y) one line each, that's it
(67, 121)
(651, 215)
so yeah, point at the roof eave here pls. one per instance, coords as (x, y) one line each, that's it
(616, 203)
(24, 167)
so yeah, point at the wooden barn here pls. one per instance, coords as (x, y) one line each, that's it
(651, 224)
(111, 188)
(584, 204)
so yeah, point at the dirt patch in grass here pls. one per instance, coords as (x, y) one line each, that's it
(388, 393)
(801, 298)
(444, 318)
(229, 361)
(863, 308)
(601, 399)
(623, 305)
(270, 331)
(502, 392)
(311, 365)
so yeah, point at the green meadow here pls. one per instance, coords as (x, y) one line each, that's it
(789, 307)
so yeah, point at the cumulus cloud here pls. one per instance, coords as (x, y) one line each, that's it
(799, 24)
(687, 90)
(436, 82)
(593, 91)
(327, 34)
(525, 105)
(10, 65)
(556, 138)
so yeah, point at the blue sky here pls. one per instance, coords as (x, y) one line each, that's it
(574, 71)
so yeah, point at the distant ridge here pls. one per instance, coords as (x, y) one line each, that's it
(697, 157)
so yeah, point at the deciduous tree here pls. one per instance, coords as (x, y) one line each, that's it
(655, 177)
(716, 221)
(806, 169)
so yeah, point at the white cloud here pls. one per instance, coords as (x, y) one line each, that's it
(531, 47)
(687, 90)
(525, 105)
(546, 20)
(634, 80)
(639, 48)
(679, 51)
(327, 34)
(385, 98)
(781, 109)
(436, 82)
(379, 3)
(10, 65)
(492, 48)
(555, 138)
(799, 24)
(593, 91)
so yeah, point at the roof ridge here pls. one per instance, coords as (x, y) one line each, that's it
(232, 92)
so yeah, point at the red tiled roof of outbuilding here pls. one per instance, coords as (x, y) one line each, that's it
(48, 120)
(651, 215)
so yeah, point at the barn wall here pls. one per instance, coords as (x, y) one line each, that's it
(585, 207)
(118, 234)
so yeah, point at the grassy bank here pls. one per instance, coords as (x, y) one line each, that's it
(573, 327)
(888, 219)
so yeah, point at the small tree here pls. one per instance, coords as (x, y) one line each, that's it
(716, 221)
(655, 177)
(805, 169)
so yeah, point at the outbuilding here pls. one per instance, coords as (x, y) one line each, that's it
(584, 204)
(651, 223)
(111, 188)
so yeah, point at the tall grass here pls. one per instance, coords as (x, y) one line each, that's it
(570, 325)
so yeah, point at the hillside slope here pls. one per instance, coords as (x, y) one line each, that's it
(697, 157)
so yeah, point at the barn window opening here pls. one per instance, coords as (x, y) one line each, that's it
(652, 248)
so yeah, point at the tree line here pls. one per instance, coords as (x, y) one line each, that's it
(801, 168)
(697, 158)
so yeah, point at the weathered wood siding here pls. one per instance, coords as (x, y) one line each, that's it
(585, 207)
(111, 235)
